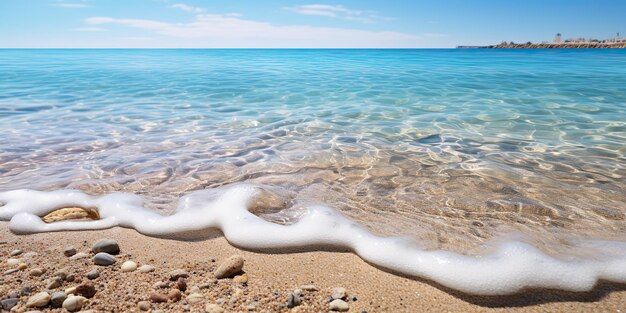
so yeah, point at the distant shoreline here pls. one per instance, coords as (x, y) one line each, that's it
(591, 45)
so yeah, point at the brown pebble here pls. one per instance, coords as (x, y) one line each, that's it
(241, 279)
(158, 298)
(181, 284)
(175, 295)
(86, 290)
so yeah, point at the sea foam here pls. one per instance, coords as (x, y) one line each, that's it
(515, 266)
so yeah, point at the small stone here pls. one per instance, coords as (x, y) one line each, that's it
(158, 298)
(54, 282)
(194, 289)
(93, 274)
(79, 255)
(213, 308)
(36, 272)
(74, 303)
(174, 295)
(71, 290)
(29, 255)
(86, 290)
(339, 293)
(107, 245)
(354, 298)
(13, 262)
(11, 271)
(22, 266)
(69, 251)
(241, 279)
(293, 300)
(309, 288)
(181, 284)
(144, 305)
(338, 305)
(16, 252)
(178, 273)
(195, 298)
(57, 298)
(13, 294)
(62, 273)
(70, 278)
(161, 285)
(39, 300)
(146, 269)
(129, 266)
(26, 291)
(7, 304)
(231, 266)
(104, 259)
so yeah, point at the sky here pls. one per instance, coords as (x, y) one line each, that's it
(301, 24)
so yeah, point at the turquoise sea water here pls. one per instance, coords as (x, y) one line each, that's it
(447, 146)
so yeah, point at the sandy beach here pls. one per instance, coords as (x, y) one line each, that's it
(271, 278)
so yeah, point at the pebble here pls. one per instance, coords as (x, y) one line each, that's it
(29, 255)
(22, 266)
(241, 279)
(54, 282)
(11, 271)
(144, 305)
(213, 308)
(194, 289)
(16, 252)
(26, 291)
(338, 305)
(71, 290)
(175, 295)
(69, 251)
(107, 245)
(79, 255)
(36, 272)
(86, 290)
(181, 284)
(293, 300)
(62, 273)
(74, 303)
(57, 298)
(7, 304)
(309, 288)
(39, 300)
(104, 259)
(93, 274)
(339, 293)
(195, 298)
(13, 262)
(161, 285)
(231, 266)
(129, 266)
(178, 273)
(158, 298)
(146, 269)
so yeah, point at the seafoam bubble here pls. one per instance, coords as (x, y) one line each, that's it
(513, 267)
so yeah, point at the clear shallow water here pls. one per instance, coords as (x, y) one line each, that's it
(451, 147)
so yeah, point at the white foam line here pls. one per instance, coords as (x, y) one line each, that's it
(512, 268)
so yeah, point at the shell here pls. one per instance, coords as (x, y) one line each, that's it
(74, 213)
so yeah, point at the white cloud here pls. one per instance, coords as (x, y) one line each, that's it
(231, 30)
(70, 5)
(187, 8)
(338, 11)
(90, 29)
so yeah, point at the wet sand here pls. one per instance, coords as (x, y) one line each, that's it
(272, 277)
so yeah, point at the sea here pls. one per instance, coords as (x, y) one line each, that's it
(452, 149)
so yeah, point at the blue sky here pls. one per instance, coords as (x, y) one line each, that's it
(286, 23)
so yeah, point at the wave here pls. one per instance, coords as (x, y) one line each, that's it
(514, 266)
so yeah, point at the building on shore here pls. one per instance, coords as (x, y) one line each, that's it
(557, 38)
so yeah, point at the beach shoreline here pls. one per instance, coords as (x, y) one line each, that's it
(272, 277)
